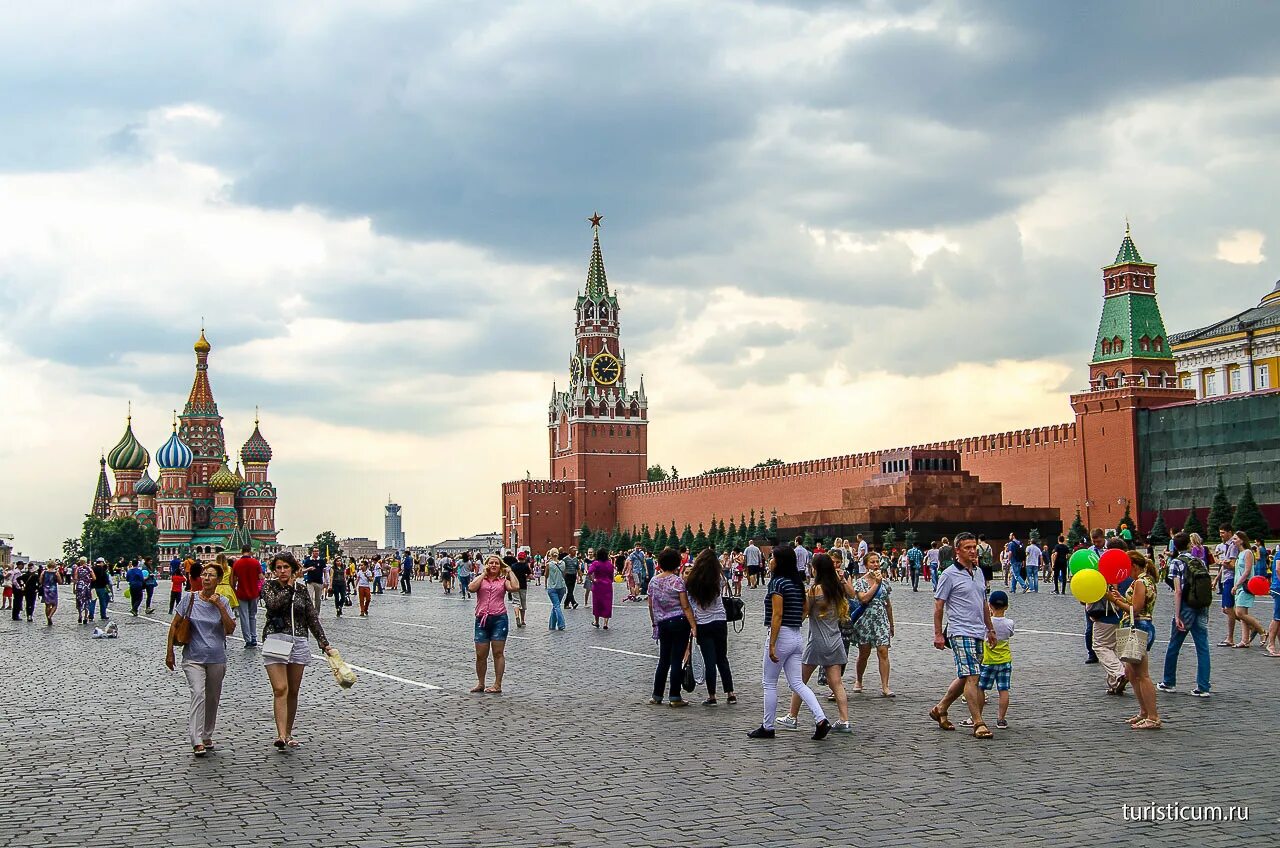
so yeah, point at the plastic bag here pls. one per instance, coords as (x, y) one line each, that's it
(342, 673)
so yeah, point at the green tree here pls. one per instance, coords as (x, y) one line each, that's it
(1193, 524)
(1159, 533)
(675, 475)
(713, 535)
(660, 540)
(889, 537)
(72, 550)
(700, 541)
(115, 539)
(808, 539)
(1034, 533)
(686, 537)
(327, 544)
(657, 474)
(733, 532)
(752, 523)
(773, 525)
(768, 462)
(646, 538)
(722, 533)
(1221, 511)
(1126, 520)
(910, 536)
(720, 469)
(1248, 517)
(1078, 532)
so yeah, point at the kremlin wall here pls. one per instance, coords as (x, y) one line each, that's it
(1097, 463)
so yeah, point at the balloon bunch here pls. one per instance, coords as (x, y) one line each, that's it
(1090, 574)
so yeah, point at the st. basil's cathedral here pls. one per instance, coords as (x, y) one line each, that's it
(198, 504)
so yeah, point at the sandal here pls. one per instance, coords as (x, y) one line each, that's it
(493, 690)
(1225, 643)
(279, 743)
(888, 693)
(1148, 724)
(941, 719)
(198, 750)
(981, 731)
(293, 743)
(477, 689)
(1134, 719)
(966, 722)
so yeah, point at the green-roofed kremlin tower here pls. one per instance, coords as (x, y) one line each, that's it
(1132, 347)
(1131, 369)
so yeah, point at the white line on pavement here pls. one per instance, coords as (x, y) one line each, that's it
(323, 657)
(620, 651)
(411, 624)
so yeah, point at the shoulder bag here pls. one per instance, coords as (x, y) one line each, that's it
(182, 623)
(276, 645)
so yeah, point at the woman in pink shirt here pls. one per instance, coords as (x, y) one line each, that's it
(490, 588)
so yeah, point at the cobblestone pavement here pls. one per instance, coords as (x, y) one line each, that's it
(570, 755)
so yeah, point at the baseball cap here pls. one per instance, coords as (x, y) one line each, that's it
(999, 599)
(522, 555)
(99, 559)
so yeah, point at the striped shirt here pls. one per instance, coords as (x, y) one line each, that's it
(792, 602)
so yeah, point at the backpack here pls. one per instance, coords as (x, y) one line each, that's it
(1197, 586)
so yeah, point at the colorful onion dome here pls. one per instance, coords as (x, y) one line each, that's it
(256, 449)
(128, 454)
(202, 344)
(145, 485)
(223, 480)
(175, 453)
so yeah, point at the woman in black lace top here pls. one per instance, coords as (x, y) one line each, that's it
(290, 616)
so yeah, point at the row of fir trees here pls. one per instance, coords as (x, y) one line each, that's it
(717, 534)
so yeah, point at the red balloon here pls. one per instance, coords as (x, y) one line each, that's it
(1114, 565)
(1258, 585)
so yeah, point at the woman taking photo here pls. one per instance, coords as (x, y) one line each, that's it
(828, 603)
(673, 621)
(705, 591)
(786, 606)
(490, 588)
(1139, 604)
(600, 583)
(285, 649)
(1243, 597)
(204, 656)
(874, 628)
(556, 587)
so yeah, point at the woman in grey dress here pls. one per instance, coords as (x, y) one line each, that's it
(825, 649)
(874, 628)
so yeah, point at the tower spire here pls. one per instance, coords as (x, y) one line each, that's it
(597, 282)
(102, 495)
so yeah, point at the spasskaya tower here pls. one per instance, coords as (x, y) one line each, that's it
(596, 429)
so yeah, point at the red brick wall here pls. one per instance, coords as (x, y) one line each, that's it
(601, 457)
(542, 514)
(1038, 467)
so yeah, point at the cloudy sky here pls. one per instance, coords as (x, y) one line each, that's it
(866, 224)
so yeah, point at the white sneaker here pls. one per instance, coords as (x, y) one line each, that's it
(786, 722)
(842, 727)
(1164, 688)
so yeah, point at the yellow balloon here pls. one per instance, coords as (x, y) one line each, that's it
(617, 578)
(1088, 586)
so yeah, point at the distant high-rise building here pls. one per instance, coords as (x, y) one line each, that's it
(392, 528)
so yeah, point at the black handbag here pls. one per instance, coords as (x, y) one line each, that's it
(687, 682)
(735, 612)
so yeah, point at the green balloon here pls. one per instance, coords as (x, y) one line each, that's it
(1082, 559)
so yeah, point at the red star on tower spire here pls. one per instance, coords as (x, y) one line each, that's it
(595, 219)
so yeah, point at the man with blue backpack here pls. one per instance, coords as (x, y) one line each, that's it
(1192, 597)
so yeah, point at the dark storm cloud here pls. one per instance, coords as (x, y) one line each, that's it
(501, 126)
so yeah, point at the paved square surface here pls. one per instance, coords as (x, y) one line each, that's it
(92, 750)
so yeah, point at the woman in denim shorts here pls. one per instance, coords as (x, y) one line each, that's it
(290, 615)
(491, 625)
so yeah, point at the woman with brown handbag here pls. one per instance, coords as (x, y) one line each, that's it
(201, 624)
(1136, 635)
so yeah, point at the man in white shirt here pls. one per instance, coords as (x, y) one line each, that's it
(802, 558)
(934, 560)
(1035, 557)
(860, 558)
(753, 558)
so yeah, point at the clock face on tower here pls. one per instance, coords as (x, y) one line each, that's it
(606, 369)
(575, 369)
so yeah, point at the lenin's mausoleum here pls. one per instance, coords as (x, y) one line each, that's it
(1151, 432)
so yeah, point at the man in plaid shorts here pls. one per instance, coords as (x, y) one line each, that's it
(962, 595)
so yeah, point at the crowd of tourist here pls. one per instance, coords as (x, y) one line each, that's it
(842, 592)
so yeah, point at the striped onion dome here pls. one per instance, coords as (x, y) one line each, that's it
(223, 480)
(175, 453)
(128, 454)
(145, 485)
(256, 449)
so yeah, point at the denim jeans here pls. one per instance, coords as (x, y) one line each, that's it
(1017, 568)
(915, 579)
(1196, 623)
(673, 638)
(103, 594)
(247, 612)
(557, 612)
(1033, 578)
